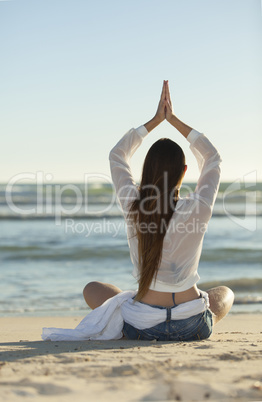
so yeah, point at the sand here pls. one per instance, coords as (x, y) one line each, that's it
(225, 367)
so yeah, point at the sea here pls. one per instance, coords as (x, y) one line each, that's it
(55, 238)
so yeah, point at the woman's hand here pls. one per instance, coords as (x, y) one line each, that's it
(161, 112)
(168, 103)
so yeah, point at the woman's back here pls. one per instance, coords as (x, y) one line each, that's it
(184, 235)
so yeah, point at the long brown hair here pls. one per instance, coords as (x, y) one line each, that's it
(151, 212)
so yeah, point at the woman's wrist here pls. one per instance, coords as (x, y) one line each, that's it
(183, 128)
(153, 123)
(173, 120)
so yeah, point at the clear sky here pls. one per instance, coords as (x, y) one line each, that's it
(76, 75)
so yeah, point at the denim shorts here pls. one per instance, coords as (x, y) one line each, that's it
(193, 328)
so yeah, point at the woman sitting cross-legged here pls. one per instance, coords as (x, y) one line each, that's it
(165, 232)
(165, 236)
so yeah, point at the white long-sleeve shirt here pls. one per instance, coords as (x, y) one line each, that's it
(183, 240)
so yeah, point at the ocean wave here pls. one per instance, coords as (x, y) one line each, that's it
(250, 304)
(60, 254)
(48, 311)
(106, 199)
(113, 215)
(238, 285)
(232, 255)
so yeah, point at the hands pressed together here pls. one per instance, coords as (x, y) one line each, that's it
(165, 109)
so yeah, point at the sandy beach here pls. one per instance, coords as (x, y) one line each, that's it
(225, 367)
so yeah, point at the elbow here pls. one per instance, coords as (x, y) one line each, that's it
(112, 155)
(219, 158)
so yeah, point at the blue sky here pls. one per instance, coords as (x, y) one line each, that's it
(76, 75)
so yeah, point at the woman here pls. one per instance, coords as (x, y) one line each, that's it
(165, 232)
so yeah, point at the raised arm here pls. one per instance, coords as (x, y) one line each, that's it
(160, 113)
(206, 154)
(122, 152)
(183, 128)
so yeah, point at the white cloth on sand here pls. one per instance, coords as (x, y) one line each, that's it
(106, 322)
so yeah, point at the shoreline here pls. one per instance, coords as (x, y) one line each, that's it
(227, 366)
(239, 308)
